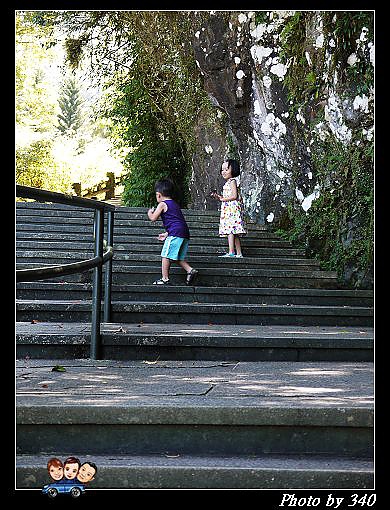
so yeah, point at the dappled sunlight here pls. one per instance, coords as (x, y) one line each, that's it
(264, 384)
(307, 389)
(310, 371)
(255, 387)
(90, 166)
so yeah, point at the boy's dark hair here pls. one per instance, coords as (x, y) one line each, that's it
(165, 187)
(92, 464)
(72, 460)
(234, 165)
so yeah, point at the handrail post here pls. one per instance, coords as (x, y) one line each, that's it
(97, 262)
(97, 286)
(108, 269)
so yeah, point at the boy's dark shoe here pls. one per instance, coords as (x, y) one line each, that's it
(191, 276)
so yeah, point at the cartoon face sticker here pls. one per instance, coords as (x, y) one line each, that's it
(71, 467)
(86, 472)
(55, 469)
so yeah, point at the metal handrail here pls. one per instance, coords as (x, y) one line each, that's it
(42, 195)
(42, 273)
(100, 258)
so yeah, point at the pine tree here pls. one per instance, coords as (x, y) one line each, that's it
(70, 118)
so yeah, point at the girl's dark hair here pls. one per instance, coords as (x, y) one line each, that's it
(165, 187)
(234, 165)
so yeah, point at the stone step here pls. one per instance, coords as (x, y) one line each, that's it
(190, 294)
(36, 222)
(86, 216)
(116, 201)
(113, 407)
(122, 216)
(197, 313)
(151, 240)
(47, 208)
(236, 393)
(229, 277)
(174, 471)
(122, 258)
(139, 232)
(42, 340)
(212, 277)
(128, 247)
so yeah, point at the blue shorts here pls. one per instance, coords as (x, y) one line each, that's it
(175, 248)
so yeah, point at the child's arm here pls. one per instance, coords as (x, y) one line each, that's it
(154, 214)
(215, 195)
(162, 236)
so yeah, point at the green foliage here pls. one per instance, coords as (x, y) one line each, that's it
(160, 42)
(34, 102)
(232, 148)
(338, 227)
(35, 107)
(153, 161)
(70, 102)
(47, 157)
(74, 51)
(36, 167)
(261, 17)
(157, 150)
(157, 88)
(346, 27)
(292, 39)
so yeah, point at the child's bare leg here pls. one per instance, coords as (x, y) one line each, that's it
(165, 265)
(237, 244)
(185, 265)
(231, 243)
(191, 272)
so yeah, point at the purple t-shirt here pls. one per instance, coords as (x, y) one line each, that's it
(173, 220)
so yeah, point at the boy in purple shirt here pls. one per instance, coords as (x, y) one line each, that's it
(177, 235)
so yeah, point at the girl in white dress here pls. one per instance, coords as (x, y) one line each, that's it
(232, 223)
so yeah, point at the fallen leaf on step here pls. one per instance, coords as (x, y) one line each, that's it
(34, 321)
(58, 368)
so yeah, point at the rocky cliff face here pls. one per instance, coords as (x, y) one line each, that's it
(276, 84)
(240, 60)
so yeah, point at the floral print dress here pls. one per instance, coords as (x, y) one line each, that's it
(232, 212)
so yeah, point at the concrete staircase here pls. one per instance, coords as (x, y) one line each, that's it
(258, 376)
